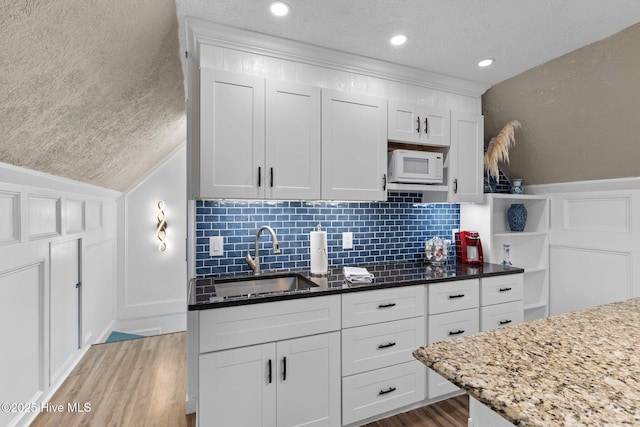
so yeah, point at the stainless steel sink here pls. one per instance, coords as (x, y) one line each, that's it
(234, 287)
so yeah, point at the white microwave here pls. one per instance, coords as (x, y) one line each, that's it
(415, 167)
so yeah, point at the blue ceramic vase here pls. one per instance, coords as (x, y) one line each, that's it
(517, 217)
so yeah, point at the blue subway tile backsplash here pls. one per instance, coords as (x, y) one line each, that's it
(394, 230)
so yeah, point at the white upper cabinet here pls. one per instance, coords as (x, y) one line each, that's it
(258, 140)
(231, 135)
(418, 124)
(354, 146)
(292, 141)
(465, 158)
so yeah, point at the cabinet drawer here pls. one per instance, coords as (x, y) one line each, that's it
(376, 346)
(452, 296)
(501, 315)
(229, 327)
(499, 289)
(453, 325)
(382, 305)
(376, 392)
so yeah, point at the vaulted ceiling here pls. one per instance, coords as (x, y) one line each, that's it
(92, 90)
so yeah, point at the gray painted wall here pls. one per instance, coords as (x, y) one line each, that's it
(580, 114)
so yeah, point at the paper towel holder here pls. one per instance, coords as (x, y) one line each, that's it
(318, 242)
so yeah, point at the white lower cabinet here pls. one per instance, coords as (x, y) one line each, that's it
(376, 392)
(288, 383)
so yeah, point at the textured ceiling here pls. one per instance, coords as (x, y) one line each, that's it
(445, 36)
(90, 90)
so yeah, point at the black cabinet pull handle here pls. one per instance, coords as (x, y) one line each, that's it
(458, 332)
(418, 129)
(271, 175)
(456, 296)
(391, 344)
(384, 182)
(284, 369)
(270, 371)
(389, 390)
(426, 124)
(505, 289)
(259, 176)
(455, 186)
(391, 304)
(505, 322)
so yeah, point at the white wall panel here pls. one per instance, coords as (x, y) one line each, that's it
(21, 317)
(93, 215)
(9, 217)
(582, 278)
(44, 216)
(74, 216)
(98, 290)
(606, 214)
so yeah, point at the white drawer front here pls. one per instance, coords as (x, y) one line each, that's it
(499, 289)
(501, 315)
(439, 385)
(453, 325)
(382, 305)
(452, 296)
(376, 392)
(376, 346)
(230, 327)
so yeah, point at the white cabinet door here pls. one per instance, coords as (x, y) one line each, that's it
(354, 146)
(418, 124)
(308, 376)
(292, 165)
(238, 387)
(465, 158)
(231, 135)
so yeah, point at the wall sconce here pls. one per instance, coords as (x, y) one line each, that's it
(161, 227)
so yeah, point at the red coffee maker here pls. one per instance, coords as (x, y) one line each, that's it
(468, 247)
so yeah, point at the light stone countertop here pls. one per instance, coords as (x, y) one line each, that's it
(576, 369)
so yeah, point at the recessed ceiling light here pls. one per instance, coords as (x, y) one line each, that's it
(485, 62)
(279, 8)
(398, 40)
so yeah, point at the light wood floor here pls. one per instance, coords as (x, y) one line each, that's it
(143, 383)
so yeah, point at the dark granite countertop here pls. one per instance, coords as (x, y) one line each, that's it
(202, 294)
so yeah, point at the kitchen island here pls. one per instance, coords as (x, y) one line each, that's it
(576, 369)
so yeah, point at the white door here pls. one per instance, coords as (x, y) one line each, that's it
(354, 146)
(231, 135)
(309, 381)
(292, 141)
(465, 158)
(65, 293)
(238, 387)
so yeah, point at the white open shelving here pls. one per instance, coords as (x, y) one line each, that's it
(529, 249)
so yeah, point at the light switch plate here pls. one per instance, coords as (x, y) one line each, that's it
(347, 240)
(216, 246)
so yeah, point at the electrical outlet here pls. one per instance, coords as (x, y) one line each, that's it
(216, 246)
(347, 240)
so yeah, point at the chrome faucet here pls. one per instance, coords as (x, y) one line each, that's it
(254, 262)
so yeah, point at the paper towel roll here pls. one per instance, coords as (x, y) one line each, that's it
(319, 256)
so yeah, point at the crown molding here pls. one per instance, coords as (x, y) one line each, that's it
(204, 32)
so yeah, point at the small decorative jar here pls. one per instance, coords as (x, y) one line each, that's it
(517, 217)
(506, 255)
(516, 186)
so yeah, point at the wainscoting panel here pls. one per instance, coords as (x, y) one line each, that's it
(94, 215)
(21, 314)
(75, 216)
(605, 214)
(9, 217)
(44, 216)
(581, 278)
